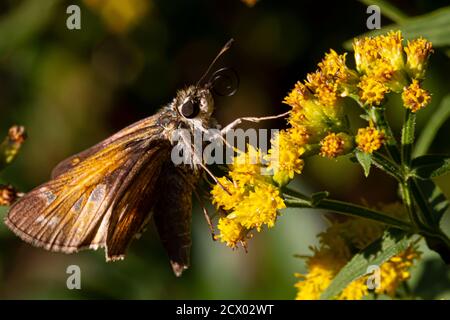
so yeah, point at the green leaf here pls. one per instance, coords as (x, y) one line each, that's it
(437, 119)
(434, 26)
(430, 166)
(365, 160)
(435, 197)
(433, 205)
(390, 244)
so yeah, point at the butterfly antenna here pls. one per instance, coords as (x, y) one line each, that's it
(221, 52)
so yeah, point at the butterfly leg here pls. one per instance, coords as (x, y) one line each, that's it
(238, 121)
(206, 214)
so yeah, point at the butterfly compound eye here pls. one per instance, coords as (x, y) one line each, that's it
(190, 109)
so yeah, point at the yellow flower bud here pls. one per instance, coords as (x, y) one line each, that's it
(417, 54)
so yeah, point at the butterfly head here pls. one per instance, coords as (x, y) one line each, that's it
(195, 105)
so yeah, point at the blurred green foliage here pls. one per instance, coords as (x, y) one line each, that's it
(72, 88)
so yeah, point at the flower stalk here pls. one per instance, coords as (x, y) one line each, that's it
(297, 200)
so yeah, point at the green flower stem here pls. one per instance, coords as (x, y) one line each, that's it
(410, 185)
(409, 203)
(294, 199)
(423, 204)
(398, 173)
(376, 114)
(298, 200)
(408, 137)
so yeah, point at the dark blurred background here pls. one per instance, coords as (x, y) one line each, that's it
(72, 88)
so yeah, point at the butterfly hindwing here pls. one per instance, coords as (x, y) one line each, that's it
(173, 222)
(132, 208)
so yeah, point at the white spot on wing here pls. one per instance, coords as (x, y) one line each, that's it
(48, 196)
(98, 193)
(53, 221)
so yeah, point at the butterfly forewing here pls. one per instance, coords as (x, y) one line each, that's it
(143, 129)
(91, 193)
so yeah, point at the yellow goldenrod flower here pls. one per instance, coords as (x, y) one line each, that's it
(298, 135)
(391, 48)
(369, 51)
(417, 54)
(334, 68)
(284, 155)
(248, 197)
(414, 97)
(315, 118)
(227, 194)
(365, 53)
(322, 267)
(334, 65)
(381, 59)
(335, 144)
(396, 271)
(324, 90)
(356, 290)
(247, 166)
(370, 139)
(337, 245)
(317, 106)
(231, 232)
(259, 208)
(372, 91)
(297, 96)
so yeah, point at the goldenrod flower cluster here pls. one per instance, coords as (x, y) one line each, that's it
(369, 139)
(249, 197)
(414, 97)
(337, 246)
(382, 66)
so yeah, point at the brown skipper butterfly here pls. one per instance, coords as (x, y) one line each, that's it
(103, 197)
